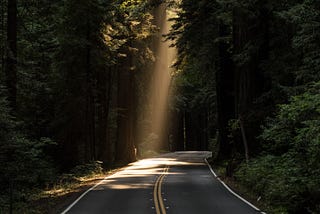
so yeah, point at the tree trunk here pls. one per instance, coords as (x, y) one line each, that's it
(3, 37)
(125, 149)
(90, 102)
(244, 139)
(176, 131)
(190, 132)
(104, 147)
(225, 95)
(250, 82)
(11, 60)
(203, 118)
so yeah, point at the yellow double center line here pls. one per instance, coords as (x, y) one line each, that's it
(157, 195)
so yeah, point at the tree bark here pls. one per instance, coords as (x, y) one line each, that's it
(250, 82)
(11, 56)
(190, 131)
(176, 131)
(203, 118)
(225, 95)
(3, 37)
(90, 101)
(104, 147)
(125, 148)
(244, 139)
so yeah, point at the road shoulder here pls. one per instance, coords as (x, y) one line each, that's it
(241, 192)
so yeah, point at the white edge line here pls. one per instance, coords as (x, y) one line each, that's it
(86, 192)
(230, 190)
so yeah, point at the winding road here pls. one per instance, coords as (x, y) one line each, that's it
(177, 183)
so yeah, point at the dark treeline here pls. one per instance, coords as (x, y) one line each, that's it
(253, 69)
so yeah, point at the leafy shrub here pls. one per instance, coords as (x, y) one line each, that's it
(95, 167)
(277, 180)
(288, 175)
(213, 146)
(23, 164)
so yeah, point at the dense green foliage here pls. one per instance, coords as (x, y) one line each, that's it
(290, 171)
(260, 61)
(23, 162)
(288, 175)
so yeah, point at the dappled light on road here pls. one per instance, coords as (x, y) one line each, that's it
(133, 177)
(179, 182)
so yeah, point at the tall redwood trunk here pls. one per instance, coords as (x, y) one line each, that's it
(125, 147)
(176, 133)
(11, 59)
(225, 95)
(2, 40)
(250, 82)
(90, 152)
(104, 147)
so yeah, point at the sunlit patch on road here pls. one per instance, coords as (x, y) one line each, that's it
(152, 167)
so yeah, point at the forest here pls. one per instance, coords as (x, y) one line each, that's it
(75, 81)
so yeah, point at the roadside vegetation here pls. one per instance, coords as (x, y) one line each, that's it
(256, 65)
(57, 192)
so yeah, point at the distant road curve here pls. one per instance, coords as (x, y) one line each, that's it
(177, 183)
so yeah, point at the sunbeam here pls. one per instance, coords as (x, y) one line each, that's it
(159, 85)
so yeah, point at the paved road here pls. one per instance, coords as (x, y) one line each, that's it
(174, 183)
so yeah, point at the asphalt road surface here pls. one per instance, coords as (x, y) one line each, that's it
(174, 183)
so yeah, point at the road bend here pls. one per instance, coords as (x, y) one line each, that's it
(177, 183)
